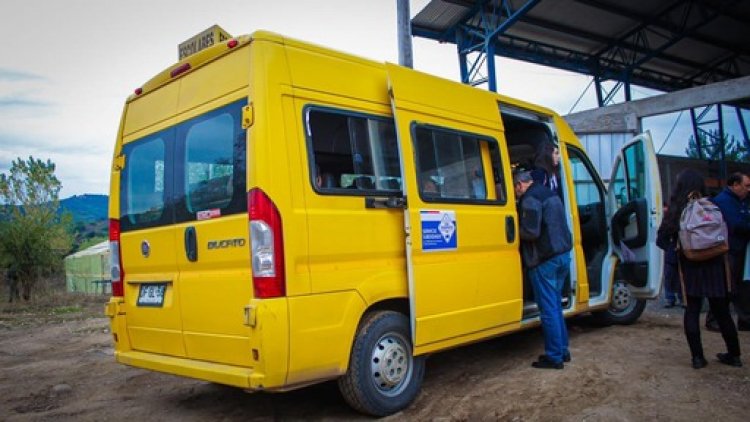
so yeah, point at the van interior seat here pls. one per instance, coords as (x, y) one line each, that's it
(391, 184)
(363, 182)
(328, 180)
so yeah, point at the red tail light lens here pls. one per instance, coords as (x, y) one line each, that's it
(232, 43)
(266, 245)
(115, 258)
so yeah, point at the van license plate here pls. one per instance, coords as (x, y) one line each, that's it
(152, 294)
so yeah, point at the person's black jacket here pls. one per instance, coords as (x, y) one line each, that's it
(543, 225)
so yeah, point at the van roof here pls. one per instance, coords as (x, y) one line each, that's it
(199, 59)
(218, 50)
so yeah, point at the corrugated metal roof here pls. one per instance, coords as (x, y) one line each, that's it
(661, 44)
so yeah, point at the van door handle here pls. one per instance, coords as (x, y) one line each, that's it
(389, 202)
(191, 244)
(510, 229)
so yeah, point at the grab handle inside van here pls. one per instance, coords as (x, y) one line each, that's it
(191, 244)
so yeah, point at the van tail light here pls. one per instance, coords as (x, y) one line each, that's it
(266, 245)
(117, 272)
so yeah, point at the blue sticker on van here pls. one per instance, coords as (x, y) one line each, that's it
(439, 230)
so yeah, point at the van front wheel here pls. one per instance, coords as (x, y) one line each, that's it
(383, 377)
(624, 308)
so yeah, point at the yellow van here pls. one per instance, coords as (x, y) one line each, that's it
(282, 214)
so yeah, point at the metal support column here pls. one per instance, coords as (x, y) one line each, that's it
(405, 57)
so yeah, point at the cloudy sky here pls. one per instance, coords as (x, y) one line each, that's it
(66, 66)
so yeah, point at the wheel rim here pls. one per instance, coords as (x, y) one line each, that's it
(623, 301)
(391, 364)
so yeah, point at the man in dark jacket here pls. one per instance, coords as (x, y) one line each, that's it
(731, 201)
(545, 249)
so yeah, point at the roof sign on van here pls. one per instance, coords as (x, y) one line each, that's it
(201, 41)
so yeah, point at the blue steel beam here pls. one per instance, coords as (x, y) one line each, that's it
(621, 60)
(494, 19)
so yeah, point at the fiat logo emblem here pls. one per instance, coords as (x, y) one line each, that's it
(145, 249)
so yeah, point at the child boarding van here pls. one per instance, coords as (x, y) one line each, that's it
(283, 214)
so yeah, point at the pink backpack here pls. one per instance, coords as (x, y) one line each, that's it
(703, 233)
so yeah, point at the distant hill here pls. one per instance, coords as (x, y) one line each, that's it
(86, 208)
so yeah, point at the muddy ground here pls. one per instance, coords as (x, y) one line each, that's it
(57, 364)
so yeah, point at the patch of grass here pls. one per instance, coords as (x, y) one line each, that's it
(50, 303)
(60, 310)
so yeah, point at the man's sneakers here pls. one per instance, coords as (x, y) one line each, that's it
(547, 364)
(566, 357)
(544, 362)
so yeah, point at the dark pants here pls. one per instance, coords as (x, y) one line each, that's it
(740, 295)
(741, 302)
(691, 323)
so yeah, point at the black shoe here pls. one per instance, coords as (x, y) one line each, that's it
(743, 326)
(699, 362)
(728, 359)
(566, 358)
(547, 364)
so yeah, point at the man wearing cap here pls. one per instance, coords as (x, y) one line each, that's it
(545, 249)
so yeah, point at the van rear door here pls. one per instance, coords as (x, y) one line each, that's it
(635, 212)
(462, 249)
(212, 230)
(148, 245)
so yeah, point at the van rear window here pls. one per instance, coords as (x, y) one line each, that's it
(191, 171)
(209, 164)
(144, 193)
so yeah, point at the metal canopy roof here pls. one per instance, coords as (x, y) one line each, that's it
(661, 44)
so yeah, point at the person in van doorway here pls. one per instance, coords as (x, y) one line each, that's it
(733, 205)
(547, 167)
(699, 278)
(545, 249)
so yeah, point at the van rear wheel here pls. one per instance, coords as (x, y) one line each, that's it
(383, 377)
(624, 308)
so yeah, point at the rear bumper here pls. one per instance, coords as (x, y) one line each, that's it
(222, 374)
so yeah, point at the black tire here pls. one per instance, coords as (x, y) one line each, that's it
(383, 376)
(624, 309)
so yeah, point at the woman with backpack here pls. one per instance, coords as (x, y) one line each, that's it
(706, 278)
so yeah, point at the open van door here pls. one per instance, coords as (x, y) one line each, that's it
(635, 213)
(464, 268)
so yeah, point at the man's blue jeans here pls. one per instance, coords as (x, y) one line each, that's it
(548, 279)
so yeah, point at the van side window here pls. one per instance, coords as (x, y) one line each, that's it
(450, 166)
(143, 183)
(352, 153)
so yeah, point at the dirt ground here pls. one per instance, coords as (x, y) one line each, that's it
(57, 365)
